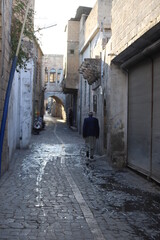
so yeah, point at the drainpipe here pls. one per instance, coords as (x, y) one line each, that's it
(150, 174)
(80, 118)
(9, 87)
(89, 103)
(140, 56)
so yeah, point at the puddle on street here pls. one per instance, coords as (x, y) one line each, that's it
(121, 197)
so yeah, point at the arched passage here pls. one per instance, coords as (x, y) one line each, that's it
(54, 105)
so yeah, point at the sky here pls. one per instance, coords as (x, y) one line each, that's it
(50, 12)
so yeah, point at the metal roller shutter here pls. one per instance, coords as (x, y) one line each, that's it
(139, 116)
(156, 120)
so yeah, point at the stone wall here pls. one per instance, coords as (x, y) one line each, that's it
(54, 90)
(38, 82)
(90, 25)
(73, 31)
(130, 20)
(51, 61)
(72, 55)
(5, 25)
(93, 30)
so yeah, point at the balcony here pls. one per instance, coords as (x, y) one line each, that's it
(91, 70)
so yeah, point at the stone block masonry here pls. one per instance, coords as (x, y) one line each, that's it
(5, 27)
(134, 18)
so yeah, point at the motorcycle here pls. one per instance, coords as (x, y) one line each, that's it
(38, 125)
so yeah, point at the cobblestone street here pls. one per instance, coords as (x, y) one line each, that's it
(53, 192)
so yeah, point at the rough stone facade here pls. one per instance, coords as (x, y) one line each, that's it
(94, 32)
(38, 85)
(5, 26)
(130, 20)
(71, 64)
(90, 25)
(10, 138)
(72, 56)
(135, 27)
(52, 61)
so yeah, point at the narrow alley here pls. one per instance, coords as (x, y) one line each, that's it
(53, 192)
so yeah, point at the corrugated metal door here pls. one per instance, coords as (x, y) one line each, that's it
(144, 117)
(139, 116)
(155, 173)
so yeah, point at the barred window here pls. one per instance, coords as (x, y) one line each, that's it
(52, 77)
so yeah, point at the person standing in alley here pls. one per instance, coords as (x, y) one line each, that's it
(90, 134)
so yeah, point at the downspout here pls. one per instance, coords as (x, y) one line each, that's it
(152, 87)
(9, 87)
(34, 88)
(80, 118)
(140, 56)
(89, 103)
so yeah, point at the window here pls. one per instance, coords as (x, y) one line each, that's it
(71, 51)
(59, 74)
(52, 77)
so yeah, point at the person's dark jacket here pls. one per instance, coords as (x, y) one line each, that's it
(90, 127)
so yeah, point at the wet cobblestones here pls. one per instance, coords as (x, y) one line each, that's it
(52, 193)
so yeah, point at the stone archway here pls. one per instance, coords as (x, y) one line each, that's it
(55, 105)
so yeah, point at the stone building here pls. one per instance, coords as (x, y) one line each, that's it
(38, 84)
(21, 102)
(26, 100)
(5, 28)
(52, 77)
(71, 62)
(134, 84)
(95, 32)
(119, 80)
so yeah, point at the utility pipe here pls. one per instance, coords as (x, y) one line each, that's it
(9, 87)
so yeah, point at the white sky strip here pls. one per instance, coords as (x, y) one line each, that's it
(51, 12)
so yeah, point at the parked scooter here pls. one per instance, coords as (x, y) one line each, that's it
(38, 125)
